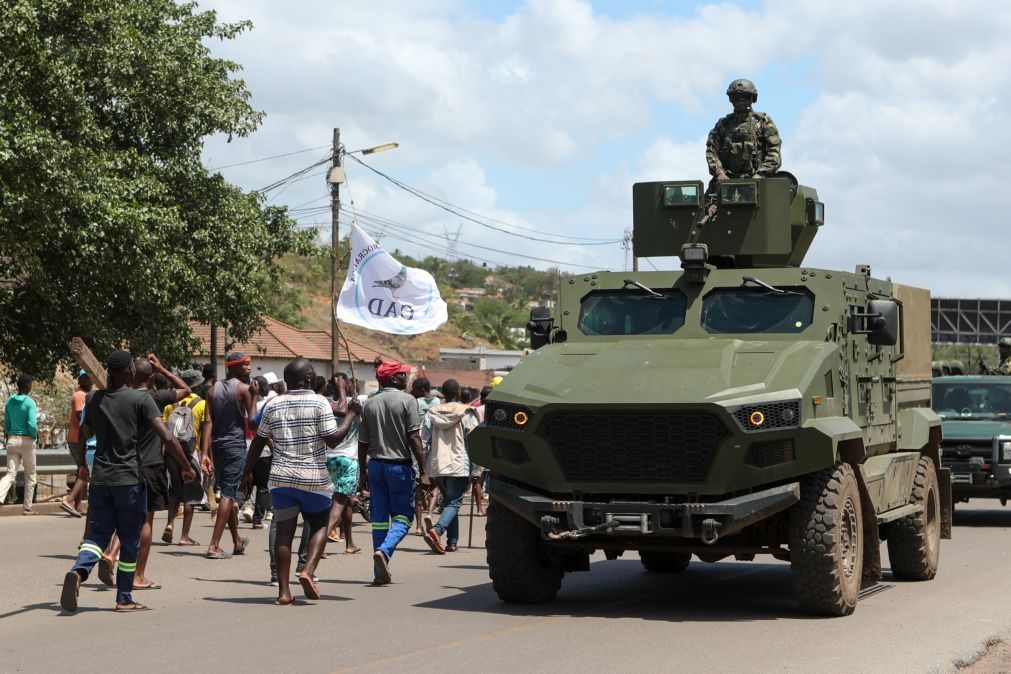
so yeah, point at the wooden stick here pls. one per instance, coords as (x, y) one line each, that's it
(470, 527)
(89, 363)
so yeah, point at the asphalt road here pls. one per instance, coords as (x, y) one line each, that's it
(441, 614)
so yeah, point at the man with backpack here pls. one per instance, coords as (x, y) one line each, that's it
(185, 420)
(444, 435)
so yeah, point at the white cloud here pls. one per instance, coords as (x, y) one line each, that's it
(904, 130)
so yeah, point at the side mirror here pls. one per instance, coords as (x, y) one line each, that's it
(540, 326)
(880, 322)
(883, 323)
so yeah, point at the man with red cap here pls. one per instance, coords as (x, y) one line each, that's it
(389, 448)
(229, 404)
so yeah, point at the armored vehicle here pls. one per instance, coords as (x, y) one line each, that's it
(742, 405)
(975, 412)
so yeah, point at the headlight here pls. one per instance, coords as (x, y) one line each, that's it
(506, 415)
(768, 416)
(1005, 451)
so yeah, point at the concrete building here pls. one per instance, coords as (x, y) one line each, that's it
(482, 358)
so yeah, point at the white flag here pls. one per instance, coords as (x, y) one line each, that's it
(382, 294)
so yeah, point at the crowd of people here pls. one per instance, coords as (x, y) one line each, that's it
(263, 449)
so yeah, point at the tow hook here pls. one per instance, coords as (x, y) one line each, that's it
(711, 531)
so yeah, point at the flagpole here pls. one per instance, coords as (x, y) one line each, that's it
(335, 213)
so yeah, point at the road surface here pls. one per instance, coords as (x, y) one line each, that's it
(441, 614)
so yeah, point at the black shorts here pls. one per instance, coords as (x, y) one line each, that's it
(157, 487)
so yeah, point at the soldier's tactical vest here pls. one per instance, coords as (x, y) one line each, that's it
(742, 146)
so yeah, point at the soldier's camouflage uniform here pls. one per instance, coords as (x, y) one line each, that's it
(1004, 367)
(744, 145)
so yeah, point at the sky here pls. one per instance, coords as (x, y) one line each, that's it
(535, 118)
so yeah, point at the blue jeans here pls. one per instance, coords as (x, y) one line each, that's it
(453, 488)
(120, 510)
(391, 490)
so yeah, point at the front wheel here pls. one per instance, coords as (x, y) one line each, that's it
(521, 570)
(914, 542)
(827, 542)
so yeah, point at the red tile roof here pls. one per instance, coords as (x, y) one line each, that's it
(280, 340)
(474, 378)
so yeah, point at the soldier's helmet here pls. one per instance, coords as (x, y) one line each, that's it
(1004, 341)
(743, 86)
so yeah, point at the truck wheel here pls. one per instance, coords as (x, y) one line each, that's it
(914, 542)
(827, 542)
(521, 572)
(656, 561)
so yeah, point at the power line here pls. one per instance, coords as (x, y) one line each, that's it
(376, 220)
(296, 175)
(459, 212)
(276, 156)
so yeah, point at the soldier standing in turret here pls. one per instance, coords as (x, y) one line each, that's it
(745, 143)
(1004, 356)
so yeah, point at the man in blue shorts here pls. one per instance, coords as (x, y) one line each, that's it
(302, 425)
(229, 404)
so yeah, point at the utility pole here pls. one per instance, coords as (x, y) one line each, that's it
(335, 212)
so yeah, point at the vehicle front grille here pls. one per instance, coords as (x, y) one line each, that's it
(961, 450)
(766, 454)
(633, 446)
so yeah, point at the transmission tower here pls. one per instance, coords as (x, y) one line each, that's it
(451, 241)
(626, 245)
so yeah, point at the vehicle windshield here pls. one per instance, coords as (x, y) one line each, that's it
(972, 401)
(750, 310)
(632, 312)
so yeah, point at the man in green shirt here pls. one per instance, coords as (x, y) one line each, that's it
(20, 433)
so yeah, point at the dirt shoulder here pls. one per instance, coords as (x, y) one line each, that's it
(996, 658)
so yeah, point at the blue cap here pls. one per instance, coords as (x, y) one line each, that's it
(81, 373)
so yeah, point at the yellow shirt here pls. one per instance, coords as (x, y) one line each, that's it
(198, 414)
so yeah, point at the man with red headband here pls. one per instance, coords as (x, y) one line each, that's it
(229, 404)
(389, 448)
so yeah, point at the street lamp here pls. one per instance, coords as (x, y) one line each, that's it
(335, 177)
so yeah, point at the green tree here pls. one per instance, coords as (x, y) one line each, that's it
(110, 226)
(495, 321)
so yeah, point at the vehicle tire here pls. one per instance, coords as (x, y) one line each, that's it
(521, 571)
(827, 542)
(656, 561)
(914, 542)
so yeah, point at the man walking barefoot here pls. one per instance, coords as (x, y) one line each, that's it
(301, 425)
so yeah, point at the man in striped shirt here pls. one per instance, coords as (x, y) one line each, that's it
(301, 424)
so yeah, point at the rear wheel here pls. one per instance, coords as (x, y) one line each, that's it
(827, 542)
(914, 542)
(521, 570)
(656, 561)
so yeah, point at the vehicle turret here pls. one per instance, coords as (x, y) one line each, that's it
(758, 222)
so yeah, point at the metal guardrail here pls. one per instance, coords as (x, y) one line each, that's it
(48, 461)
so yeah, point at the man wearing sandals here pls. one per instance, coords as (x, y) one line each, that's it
(229, 404)
(152, 460)
(117, 497)
(301, 424)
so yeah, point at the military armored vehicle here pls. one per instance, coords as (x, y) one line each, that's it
(975, 412)
(741, 405)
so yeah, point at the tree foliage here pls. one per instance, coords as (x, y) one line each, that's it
(110, 226)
